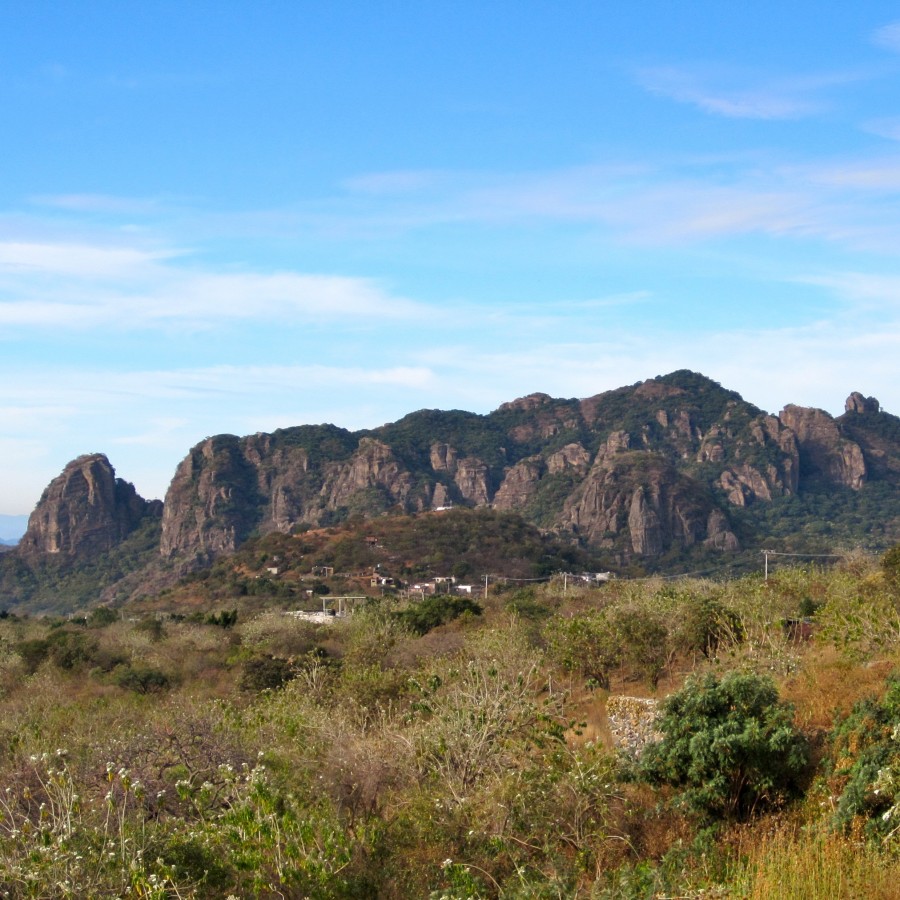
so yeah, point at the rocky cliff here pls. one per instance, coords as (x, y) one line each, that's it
(642, 470)
(670, 464)
(84, 511)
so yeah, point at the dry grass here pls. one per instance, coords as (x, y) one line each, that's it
(588, 710)
(785, 863)
(828, 685)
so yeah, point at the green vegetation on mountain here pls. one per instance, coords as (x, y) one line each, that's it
(460, 543)
(62, 585)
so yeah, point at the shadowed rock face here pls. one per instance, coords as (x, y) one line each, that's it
(85, 511)
(824, 451)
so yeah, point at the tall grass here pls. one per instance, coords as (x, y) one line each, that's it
(787, 863)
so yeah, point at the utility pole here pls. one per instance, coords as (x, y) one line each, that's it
(485, 586)
(766, 565)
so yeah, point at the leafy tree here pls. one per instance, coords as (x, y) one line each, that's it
(729, 746)
(587, 644)
(437, 610)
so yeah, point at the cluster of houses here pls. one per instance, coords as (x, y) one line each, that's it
(440, 585)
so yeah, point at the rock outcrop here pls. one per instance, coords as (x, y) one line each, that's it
(823, 451)
(857, 403)
(85, 511)
(641, 496)
(639, 470)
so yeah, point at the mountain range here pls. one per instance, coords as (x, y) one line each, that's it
(661, 473)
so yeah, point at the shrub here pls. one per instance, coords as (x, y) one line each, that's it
(729, 746)
(867, 763)
(643, 638)
(706, 625)
(586, 644)
(266, 673)
(101, 616)
(33, 652)
(433, 611)
(224, 619)
(143, 680)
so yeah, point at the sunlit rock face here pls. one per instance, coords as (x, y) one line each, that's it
(642, 471)
(84, 511)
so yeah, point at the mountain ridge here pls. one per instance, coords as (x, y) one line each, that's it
(644, 474)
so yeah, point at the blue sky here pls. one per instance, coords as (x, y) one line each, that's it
(234, 217)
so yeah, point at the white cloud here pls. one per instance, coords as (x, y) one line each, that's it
(160, 431)
(673, 201)
(97, 203)
(874, 174)
(294, 296)
(85, 286)
(887, 128)
(393, 182)
(888, 36)
(780, 101)
(55, 391)
(865, 290)
(77, 260)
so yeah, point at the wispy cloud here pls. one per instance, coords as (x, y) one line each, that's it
(872, 174)
(62, 391)
(887, 128)
(97, 203)
(866, 291)
(77, 260)
(888, 36)
(790, 99)
(658, 202)
(126, 287)
(392, 182)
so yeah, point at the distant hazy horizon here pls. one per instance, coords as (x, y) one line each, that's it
(12, 527)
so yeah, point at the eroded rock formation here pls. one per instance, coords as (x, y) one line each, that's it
(84, 511)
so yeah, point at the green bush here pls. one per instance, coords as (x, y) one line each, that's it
(101, 616)
(32, 653)
(707, 625)
(730, 747)
(143, 680)
(586, 644)
(224, 619)
(421, 617)
(266, 673)
(866, 754)
(643, 637)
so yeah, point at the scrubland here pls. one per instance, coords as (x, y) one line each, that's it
(466, 752)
